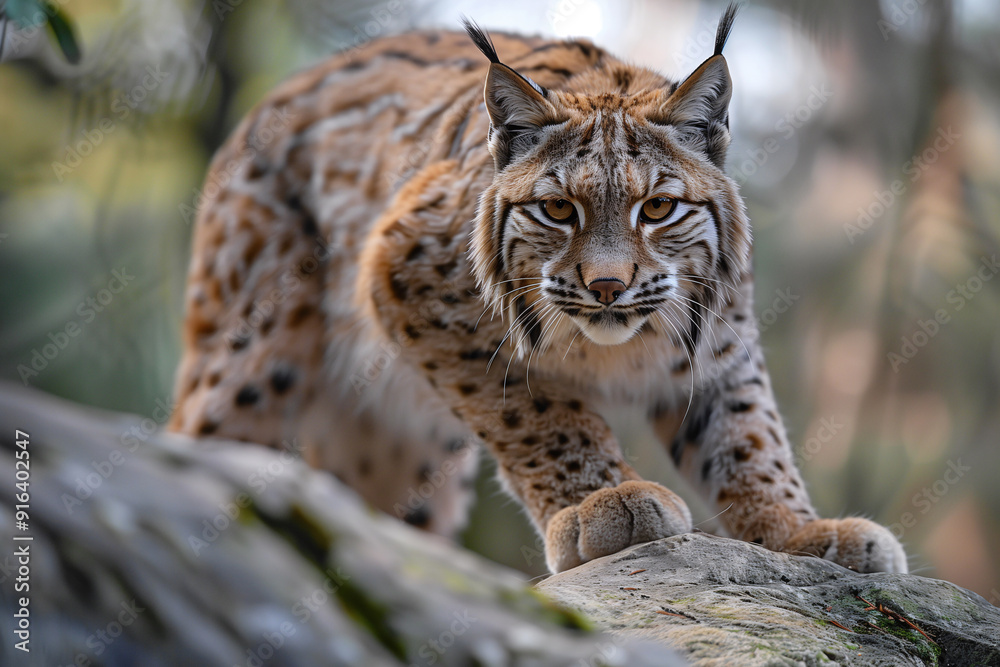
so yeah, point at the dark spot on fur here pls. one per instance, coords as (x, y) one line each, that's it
(237, 342)
(416, 251)
(444, 269)
(767, 479)
(741, 454)
(309, 226)
(299, 315)
(419, 517)
(723, 350)
(411, 332)
(774, 435)
(554, 453)
(584, 441)
(563, 439)
(542, 404)
(869, 547)
(430, 365)
(575, 405)
(682, 366)
(282, 378)
(214, 378)
(706, 468)
(530, 440)
(779, 465)
(467, 389)
(741, 406)
(511, 419)
(248, 395)
(699, 422)
(561, 476)
(573, 466)
(676, 450)
(789, 494)
(399, 288)
(473, 355)
(531, 464)
(796, 483)
(208, 428)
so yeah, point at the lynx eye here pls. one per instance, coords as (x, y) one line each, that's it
(559, 210)
(657, 209)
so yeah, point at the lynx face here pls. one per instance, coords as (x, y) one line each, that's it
(608, 212)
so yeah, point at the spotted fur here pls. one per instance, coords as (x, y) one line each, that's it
(378, 283)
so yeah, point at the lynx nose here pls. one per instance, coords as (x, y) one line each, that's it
(607, 290)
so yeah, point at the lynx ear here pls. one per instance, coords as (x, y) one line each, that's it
(699, 107)
(518, 107)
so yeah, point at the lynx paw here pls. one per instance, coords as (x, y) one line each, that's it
(857, 544)
(609, 520)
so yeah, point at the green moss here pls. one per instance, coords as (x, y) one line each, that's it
(310, 538)
(545, 610)
(926, 650)
(370, 615)
(689, 600)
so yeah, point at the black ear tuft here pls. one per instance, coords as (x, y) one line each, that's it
(481, 39)
(725, 26)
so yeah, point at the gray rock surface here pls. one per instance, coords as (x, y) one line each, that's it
(153, 550)
(725, 602)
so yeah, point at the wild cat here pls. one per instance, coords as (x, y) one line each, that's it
(396, 261)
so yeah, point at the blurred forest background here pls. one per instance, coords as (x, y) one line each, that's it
(867, 144)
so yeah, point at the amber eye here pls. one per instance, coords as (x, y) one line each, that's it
(657, 209)
(559, 210)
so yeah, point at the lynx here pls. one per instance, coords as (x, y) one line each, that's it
(411, 251)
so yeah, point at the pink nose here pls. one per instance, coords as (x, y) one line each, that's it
(606, 290)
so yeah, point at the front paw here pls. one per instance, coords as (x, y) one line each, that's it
(857, 544)
(610, 520)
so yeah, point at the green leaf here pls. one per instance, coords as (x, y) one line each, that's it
(30, 13)
(62, 30)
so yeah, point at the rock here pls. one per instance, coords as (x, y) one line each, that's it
(726, 602)
(151, 549)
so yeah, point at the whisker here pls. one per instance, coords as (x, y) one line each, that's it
(520, 340)
(722, 319)
(510, 330)
(507, 294)
(572, 340)
(691, 365)
(541, 343)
